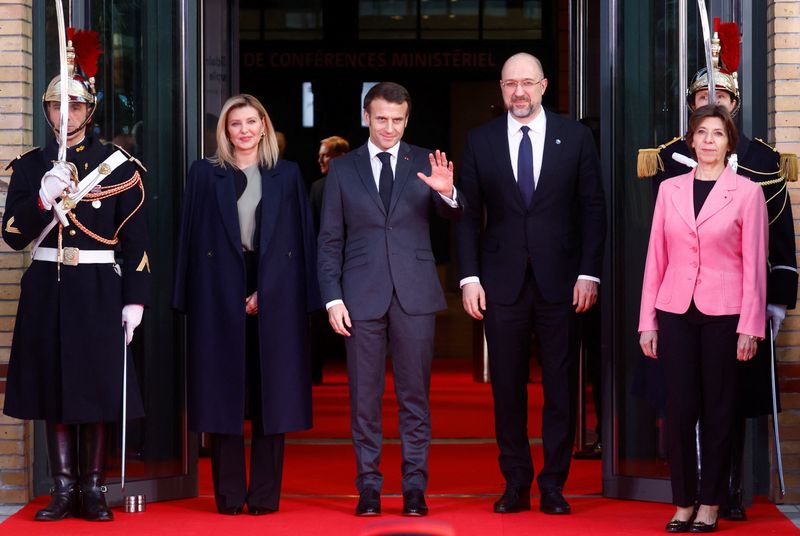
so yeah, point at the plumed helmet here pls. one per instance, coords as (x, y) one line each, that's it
(83, 51)
(725, 59)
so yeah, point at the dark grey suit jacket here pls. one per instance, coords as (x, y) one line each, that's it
(364, 254)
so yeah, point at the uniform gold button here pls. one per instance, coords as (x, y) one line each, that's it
(72, 232)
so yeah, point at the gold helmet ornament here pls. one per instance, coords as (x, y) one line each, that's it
(83, 51)
(724, 47)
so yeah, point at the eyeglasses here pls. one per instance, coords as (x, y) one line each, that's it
(528, 83)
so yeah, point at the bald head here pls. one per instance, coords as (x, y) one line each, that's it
(523, 85)
(522, 62)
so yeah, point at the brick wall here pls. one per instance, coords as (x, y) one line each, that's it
(784, 131)
(16, 135)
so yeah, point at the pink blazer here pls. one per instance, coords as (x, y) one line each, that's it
(719, 259)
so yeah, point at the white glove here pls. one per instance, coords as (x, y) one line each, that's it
(131, 318)
(54, 182)
(777, 313)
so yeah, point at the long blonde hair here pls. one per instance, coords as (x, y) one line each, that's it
(267, 145)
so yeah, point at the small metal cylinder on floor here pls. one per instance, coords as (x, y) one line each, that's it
(135, 503)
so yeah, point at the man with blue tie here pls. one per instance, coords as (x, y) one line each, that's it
(379, 283)
(530, 268)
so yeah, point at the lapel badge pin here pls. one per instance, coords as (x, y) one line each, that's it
(406, 157)
(558, 141)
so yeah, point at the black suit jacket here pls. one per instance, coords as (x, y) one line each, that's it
(562, 232)
(365, 254)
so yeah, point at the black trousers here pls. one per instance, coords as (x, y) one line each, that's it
(228, 468)
(699, 357)
(508, 334)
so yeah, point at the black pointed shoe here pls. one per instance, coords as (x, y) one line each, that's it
(414, 503)
(699, 526)
(514, 500)
(676, 525)
(369, 503)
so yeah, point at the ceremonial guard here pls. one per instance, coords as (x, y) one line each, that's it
(79, 203)
(764, 165)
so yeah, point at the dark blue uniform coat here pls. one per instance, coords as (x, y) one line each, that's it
(210, 288)
(66, 356)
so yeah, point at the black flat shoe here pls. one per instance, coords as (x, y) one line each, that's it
(369, 503)
(699, 526)
(676, 525)
(513, 500)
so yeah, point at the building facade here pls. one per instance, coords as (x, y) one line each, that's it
(168, 66)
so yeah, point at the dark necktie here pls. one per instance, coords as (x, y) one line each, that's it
(525, 167)
(386, 179)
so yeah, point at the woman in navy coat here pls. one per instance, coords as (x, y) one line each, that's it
(246, 279)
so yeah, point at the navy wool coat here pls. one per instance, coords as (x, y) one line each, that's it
(210, 289)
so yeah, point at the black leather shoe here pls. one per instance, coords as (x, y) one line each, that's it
(259, 510)
(733, 513)
(514, 500)
(553, 502)
(369, 503)
(63, 501)
(699, 526)
(229, 510)
(414, 503)
(93, 499)
(676, 525)
(733, 510)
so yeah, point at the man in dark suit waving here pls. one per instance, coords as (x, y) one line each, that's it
(537, 176)
(379, 283)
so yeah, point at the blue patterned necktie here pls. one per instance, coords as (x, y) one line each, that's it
(386, 179)
(525, 167)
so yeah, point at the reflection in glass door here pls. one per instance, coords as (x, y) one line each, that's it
(642, 70)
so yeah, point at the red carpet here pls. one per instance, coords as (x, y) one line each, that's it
(319, 493)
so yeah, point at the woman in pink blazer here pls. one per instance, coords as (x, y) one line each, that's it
(703, 307)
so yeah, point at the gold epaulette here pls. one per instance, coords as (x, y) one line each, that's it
(20, 156)
(131, 158)
(788, 162)
(789, 167)
(649, 161)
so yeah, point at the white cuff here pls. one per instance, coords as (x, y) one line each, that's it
(590, 278)
(332, 303)
(469, 279)
(453, 203)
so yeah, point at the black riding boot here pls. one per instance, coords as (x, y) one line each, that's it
(732, 508)
(61, 453)
(93, 453)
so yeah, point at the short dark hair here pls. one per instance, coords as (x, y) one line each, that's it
(713, 110)
(390, 92)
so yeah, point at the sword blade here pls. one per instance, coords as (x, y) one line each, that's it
(775, 427)
(124, 402)
(701, 5)
(64, 97)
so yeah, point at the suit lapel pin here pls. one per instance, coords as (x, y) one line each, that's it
(558, 141)
(406, 157)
